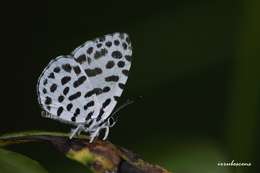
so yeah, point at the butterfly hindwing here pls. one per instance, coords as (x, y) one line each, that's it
(61, 90)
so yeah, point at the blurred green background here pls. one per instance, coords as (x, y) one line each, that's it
(195, 64)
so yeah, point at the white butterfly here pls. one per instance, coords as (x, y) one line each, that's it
(82, 88)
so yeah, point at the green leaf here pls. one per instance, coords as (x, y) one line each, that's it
(11, 162)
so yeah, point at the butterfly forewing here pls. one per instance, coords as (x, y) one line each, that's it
(106, 62)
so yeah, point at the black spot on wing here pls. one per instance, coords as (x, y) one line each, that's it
(116, 54)
(77, 112)
(77, 69)
(53, 87)
(81, 59)
(80, 81)
(74, 96)
(99, 45)
(121, 85)
(56, 69)
(106, 103)
(93, 72)
(69, 106)
(61, 98)
(110, 64)
(66, 90)
(48, 100)
(128, 58)
(89, 60)
(45, 81)
(89, 115)
(100, 114)
(65, 80)
(106, 89)
(125, 72)
(90, 50)
(108, 44)
(121, 64)
(59, 111)
(116, 42)
(112, 78)
(124, 45)
(44, 90)
(101, 53)
(89, 104)
(66, 67)
(96, 91)
(73, 119)
(51, 75)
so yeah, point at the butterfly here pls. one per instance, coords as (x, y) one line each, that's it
(83, 88)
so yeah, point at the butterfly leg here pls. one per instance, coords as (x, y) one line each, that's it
(77, 130)
(94, 135)
(106, 132)
(96, 131)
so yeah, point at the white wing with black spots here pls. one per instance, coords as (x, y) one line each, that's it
(106, 62)
(61, 89)
(84, 87)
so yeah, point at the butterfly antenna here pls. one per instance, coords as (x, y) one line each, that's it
(128, 102)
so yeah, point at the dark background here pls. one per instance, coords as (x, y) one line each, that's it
(194, 64)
